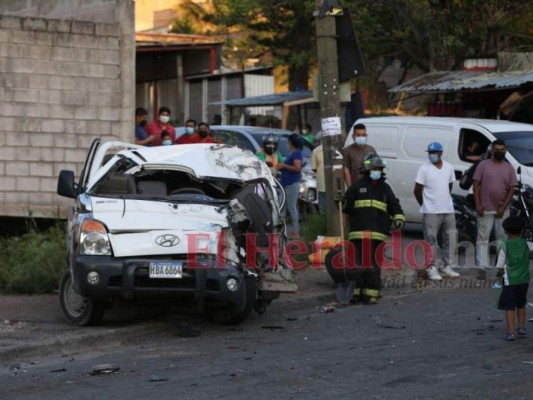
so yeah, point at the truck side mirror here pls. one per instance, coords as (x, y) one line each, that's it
(65, 184)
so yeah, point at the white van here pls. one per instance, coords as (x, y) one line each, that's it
(402, 143)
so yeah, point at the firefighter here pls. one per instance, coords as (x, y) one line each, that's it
(371, 206)
(269, 152)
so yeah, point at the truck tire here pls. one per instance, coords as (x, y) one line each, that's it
(231, 314)
(79, 310)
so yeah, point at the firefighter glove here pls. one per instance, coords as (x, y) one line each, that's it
(398, 224)
(339, 197)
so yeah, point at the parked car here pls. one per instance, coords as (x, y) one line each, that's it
(251, 138)
(172, 221)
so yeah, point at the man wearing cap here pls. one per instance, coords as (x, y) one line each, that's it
(433, 186)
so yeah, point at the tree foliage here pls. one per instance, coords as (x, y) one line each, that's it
(430, 34)
(191, 19)
(282, 29)
(439, 34)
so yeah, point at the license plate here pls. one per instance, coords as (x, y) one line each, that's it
(166, 270)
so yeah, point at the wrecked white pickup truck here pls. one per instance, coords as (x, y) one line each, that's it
(197, 222)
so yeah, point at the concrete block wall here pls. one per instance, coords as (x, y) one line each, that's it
(62, 83)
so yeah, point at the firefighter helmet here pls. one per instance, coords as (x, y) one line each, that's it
(371, 161)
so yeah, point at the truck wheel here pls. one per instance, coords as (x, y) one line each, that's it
(231, 314)
(78, 310)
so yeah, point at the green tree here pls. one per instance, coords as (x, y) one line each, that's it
(190, 19)
(439, 34)
(282, 29)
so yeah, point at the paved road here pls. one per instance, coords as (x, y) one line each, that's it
(443, 343)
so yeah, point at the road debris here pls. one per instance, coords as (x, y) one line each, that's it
(327, 309)
(389, 326)
(105, 369)
(273, 327)
(186, 331)
(155, 378)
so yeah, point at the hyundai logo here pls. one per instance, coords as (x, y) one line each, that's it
(167, 240)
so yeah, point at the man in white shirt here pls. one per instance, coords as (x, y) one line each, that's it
(433, 186)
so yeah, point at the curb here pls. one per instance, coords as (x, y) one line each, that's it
(98, 338)
(62, 345)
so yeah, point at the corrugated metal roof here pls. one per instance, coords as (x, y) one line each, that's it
(437, 82)
(173, 39)
(275, 99)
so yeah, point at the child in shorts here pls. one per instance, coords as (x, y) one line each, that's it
(513, 258)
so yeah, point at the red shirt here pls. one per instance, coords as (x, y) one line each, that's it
(193, 139)
(208, 139)
(155, 128)
(188, 139)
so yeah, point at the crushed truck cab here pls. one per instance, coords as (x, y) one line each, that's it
(189, 222)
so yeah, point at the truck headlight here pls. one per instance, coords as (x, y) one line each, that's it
(94, 240)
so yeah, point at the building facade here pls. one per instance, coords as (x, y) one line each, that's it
(67, 70)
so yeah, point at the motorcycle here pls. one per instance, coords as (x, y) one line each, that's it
(466, 216)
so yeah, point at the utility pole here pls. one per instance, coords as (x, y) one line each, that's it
(329, 97)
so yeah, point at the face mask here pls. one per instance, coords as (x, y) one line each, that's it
(164, 118)
(499, 155)
(360, 140)
(189, 130)
(143, 123)
(202, 133)
(167, 142)
(433, 158)
(304, 132)
(375, 175)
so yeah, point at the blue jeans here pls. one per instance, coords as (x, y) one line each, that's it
(322, 203)
(291, 206)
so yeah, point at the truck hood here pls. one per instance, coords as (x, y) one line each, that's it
(141, 227)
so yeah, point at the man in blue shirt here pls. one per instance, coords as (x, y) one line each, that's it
(141, 136)
(291, 174)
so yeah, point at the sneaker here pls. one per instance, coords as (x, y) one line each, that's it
(521, 331)
(449, 272)
(433, 274)
(481, 275)
(509, 337)
(372, 300)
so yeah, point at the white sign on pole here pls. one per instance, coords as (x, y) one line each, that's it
(331, 126)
